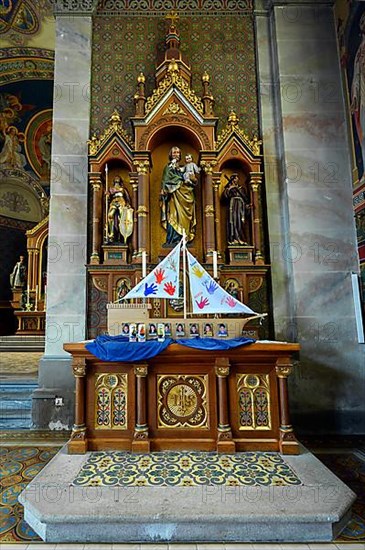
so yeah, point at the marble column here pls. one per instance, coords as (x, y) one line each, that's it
(309, 209)
(67, 244)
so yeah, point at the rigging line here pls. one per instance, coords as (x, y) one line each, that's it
(184, 270)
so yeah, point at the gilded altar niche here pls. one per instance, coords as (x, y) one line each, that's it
(134, 225)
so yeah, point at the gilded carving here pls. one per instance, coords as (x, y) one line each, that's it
(209, 211)
(141, 370)
(172, 78)
(208, 166)
(254, 283)
(232, 127)
(96, 185)
(222, 371)
(101, 283)
(182, 401)
(142, 166)
(283, 371)
(111, 401)
(79, 366)
(114, 127)
(174, 109)
(253, 392)
(142, 211)
(78, 433)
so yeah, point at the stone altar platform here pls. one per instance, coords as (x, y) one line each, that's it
(314, 510)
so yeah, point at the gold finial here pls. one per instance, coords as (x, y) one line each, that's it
(141, 78)
(174, 18)
(232, 118)
(115, 118)
(205, 77)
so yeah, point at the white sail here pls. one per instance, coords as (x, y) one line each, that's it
(206, 294)
(162, 282)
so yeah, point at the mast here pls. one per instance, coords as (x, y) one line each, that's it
(184, 271)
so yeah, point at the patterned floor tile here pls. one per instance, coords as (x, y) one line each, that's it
(175, 468)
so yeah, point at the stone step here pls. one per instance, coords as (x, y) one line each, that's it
(315, 511)
(22, 343)
(16, 404)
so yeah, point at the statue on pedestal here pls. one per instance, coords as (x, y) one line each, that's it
(120, 213)
(177, 201)
(234, 196)
(18, 277)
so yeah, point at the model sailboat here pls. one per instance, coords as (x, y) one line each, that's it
(207, 296)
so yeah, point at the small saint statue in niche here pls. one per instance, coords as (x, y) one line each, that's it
(120, 212)
(177, 201)
(234, 196)
(18, 277)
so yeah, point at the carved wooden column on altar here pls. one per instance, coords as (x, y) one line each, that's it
(255, 182)
(288, 443)
(143, 166)
(78, 442)
(134, 183)
(217, 215)
(140, 443)
(95, 182)
(208, 201)
(225, 443)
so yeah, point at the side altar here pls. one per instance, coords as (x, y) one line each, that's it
(183, 398)
(179, 168)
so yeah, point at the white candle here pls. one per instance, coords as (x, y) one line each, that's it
(28, 294)
(106, 203)
(45, 298)
(144, 263)
(36, 299)
(215, 264)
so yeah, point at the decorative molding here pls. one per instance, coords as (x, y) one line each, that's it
(141, 370)
(254, 144)
(101, 283)
(174, 79)
(73, 7)
(26, 64)
(79, 367)
(114, 127)
(142, 166)
(156, 8)
(169, 120)
(208, 166)
(222, 371)
(283, 371)
(174, 109)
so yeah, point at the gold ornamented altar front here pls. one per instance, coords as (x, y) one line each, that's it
(231, 400)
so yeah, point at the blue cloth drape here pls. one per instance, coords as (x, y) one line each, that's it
(118, 348)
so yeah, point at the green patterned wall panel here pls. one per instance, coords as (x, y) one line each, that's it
(222, 45)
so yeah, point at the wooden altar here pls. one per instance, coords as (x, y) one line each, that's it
(227, 401)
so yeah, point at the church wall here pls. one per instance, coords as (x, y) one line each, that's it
(310, 216)
(351, 31)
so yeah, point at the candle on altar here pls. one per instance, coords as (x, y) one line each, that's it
(45, 298)
(36, 299)
(106, 203)
(28, 290)
(215, 264)
(144, 263)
